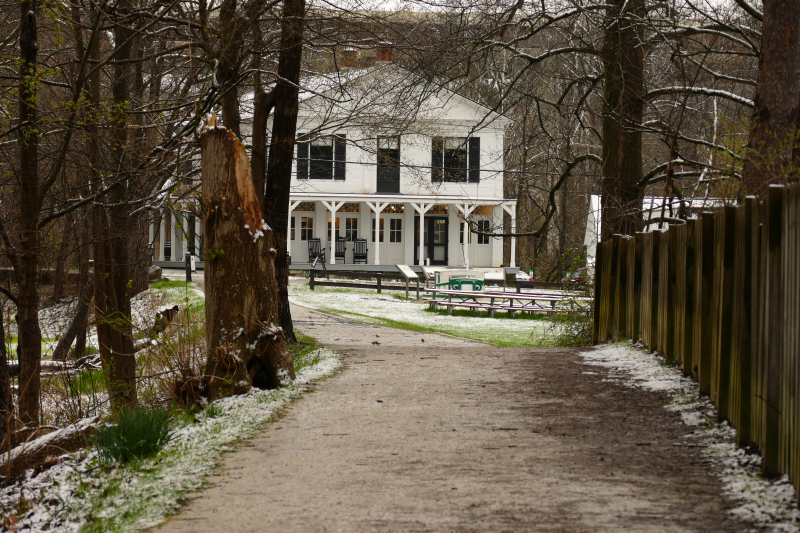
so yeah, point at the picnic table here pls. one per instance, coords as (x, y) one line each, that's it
(493, 301)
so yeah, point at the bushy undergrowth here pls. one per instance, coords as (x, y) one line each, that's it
(138, 433)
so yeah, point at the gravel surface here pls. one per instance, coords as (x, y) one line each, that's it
(451, 435)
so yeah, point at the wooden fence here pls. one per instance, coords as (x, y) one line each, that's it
(719, 295)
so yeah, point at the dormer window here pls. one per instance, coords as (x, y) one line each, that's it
(455, 159)
(323, 158)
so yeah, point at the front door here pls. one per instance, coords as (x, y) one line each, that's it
(435, 245)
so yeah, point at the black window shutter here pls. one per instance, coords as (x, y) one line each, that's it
(474, 159)
(437, 158)
(302, 161)
(340, 156)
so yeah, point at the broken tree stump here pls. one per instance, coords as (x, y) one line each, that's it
(245, 346)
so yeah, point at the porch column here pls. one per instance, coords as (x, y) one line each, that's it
(421, 208)
(511, 209)
(377, 209)
(465, 210)
(292, 205)
(332, 207)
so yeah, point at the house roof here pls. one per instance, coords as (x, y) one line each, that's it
(345, 88)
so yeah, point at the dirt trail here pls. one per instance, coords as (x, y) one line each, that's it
(451, 435)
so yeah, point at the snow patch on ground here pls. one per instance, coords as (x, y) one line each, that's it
(80, 490)
(771, 505)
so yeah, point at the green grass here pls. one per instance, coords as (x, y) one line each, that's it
(137, 433)
(88, 382)
(303, 353)
(519, 315)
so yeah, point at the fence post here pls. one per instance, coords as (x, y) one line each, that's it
(378, 276)
(678, 290)
(598, 282)
(693, 229)
(666, 288)
(621, 292)
(635, 287)
(703, 307)
(741, 329)
(791, 331)
(311, 280)
(773, 329)
(646, 288)
(187, 258)
(610, 285)
(724, 263)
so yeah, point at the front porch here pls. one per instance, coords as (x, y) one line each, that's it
(390, 224)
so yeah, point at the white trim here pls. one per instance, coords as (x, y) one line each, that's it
(400, 198)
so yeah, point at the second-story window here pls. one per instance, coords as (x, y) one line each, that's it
(456, 159)
(322, 158)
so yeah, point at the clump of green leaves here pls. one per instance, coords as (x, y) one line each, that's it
(138, 433)
(89, 381)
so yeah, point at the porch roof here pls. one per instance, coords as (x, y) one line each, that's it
(399, 198)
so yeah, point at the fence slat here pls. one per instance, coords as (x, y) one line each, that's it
(598, 300)
(635, 287)
(740, 397)
(678, 290)
(689, 361)
(773, 338)
(620, 329)
(703, 302)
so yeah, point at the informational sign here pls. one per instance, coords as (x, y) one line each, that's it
(406, 271)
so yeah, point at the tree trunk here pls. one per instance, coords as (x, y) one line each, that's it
(231, 40)
(245, 347)
(61, 260)
(776, 113)
(78, 322)
(83, 279)
(5, 388)
(30, 335)
(623, 62)
(281, 150)
(121, 373)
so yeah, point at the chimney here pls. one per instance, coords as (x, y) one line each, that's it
(383, 54)
(349, 58)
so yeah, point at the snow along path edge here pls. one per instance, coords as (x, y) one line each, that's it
(79, 491)
(771, 505)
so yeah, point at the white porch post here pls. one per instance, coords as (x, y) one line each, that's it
(421, 208)
(292, 205)
(333, 207)
(466, 210)
(377, 209)
(512, 210)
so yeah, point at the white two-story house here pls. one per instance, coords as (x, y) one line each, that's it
(379, 151)
(384, 157)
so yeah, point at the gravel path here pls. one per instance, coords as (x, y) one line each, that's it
(451, 435)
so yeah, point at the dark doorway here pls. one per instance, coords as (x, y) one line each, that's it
(389, 164)
(435, 246)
